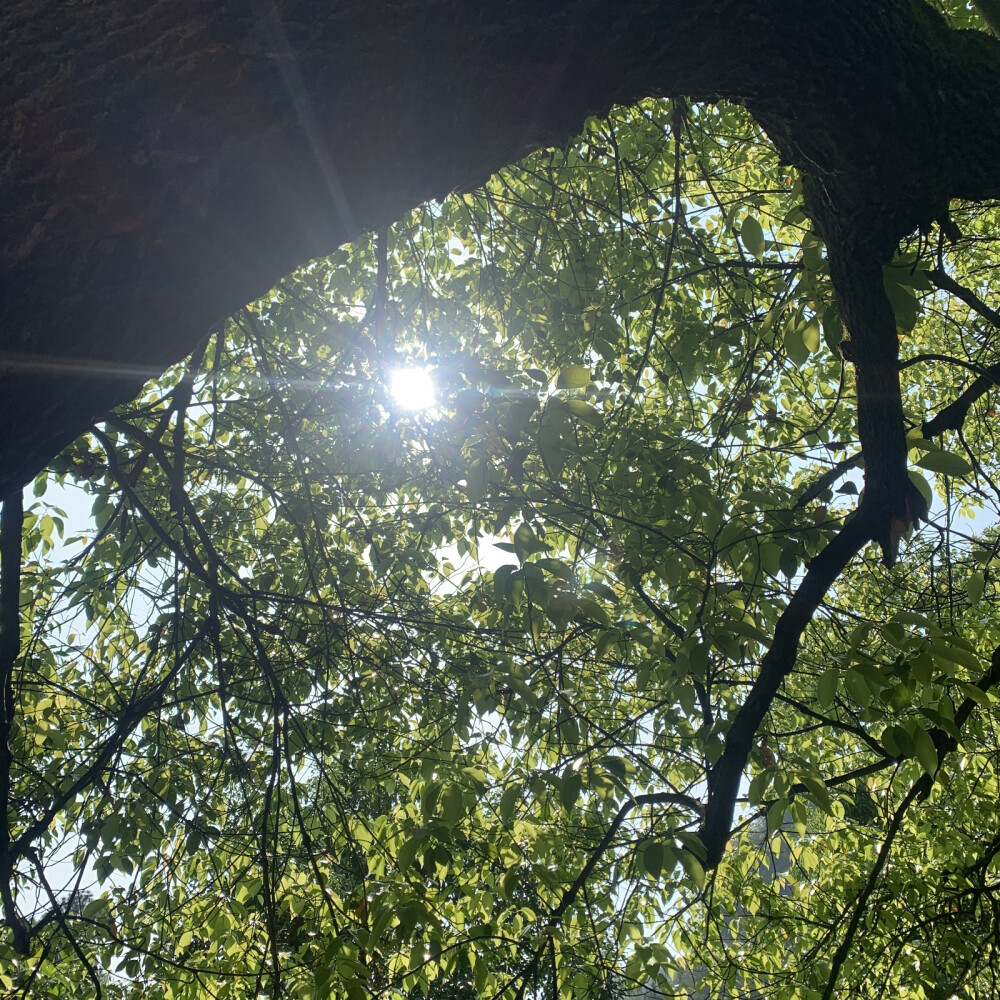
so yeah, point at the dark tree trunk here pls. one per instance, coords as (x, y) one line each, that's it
(166, 161)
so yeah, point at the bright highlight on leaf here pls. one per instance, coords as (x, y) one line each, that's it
(412, 388)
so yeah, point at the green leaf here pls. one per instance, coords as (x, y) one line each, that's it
(923, 487)
(573, 377)
(776, 816)
(429, 800)
(944, 462)
(925, 750)
(526, 542)
(582, 409)
(770, 558)
(952, 652)
(857, 687)
(795, 345)
(652, 858)
(408, 851)
(752, 236)
(693, 843)
(818, 791)
(826, 687)
(975, 693)
(508, 803)
(833, 330)
(810, 335)
(569, 790)
(478, 778)
(694, 868)
(452, 804)
(901, 296)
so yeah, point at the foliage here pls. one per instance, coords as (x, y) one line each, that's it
(333, 698)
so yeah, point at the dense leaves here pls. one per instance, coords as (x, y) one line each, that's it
(332, 697)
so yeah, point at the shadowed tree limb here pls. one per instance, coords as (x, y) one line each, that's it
(724, 777)
(814, 490)
(891, 503)
(11, 526)
(140, 208)
(636, 802)
(952, 417)
(948, 284)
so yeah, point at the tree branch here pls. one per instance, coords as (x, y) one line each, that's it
(969, 297)
(919, 790)
(650, 799)
(952, 417)
(891, 502)
(724, 777)
(920, 787)
(827, 480)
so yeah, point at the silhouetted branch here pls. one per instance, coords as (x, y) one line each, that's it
(952, 417)
(827, 480)
(969, 297)
(724, 777)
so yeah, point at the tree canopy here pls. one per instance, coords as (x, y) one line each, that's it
(658, 656)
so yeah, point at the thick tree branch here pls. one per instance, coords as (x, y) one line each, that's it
(724, 777)
(165, 163)
(952, 417)
(891, 502)
(948, 284)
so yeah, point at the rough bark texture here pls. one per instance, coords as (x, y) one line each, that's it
(166, 161)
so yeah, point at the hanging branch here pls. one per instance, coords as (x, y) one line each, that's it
(891, 504)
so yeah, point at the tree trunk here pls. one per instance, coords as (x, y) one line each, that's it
(167, 160)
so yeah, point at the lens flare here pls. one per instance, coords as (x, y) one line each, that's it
(412, 388)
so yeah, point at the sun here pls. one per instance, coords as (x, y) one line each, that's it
(412, 388)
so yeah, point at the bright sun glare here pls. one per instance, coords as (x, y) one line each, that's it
(412, 388)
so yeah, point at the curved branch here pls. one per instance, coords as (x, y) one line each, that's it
(827, 480)
(650, 799)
